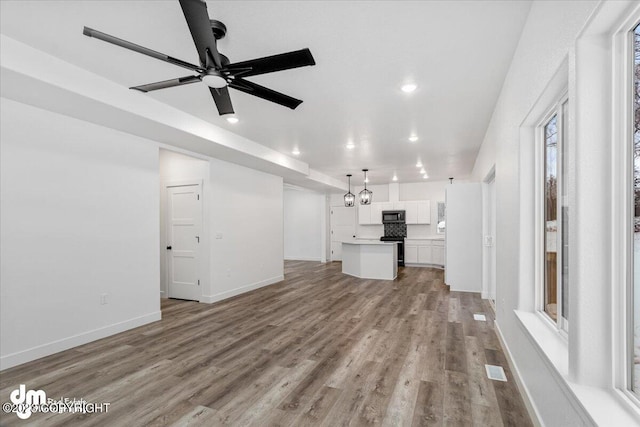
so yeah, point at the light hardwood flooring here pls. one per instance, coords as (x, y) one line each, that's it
(319, 348)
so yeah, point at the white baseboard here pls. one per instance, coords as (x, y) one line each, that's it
(524, 391)
(20, 357)
(301, 258)
(436, 266)
(208, 299)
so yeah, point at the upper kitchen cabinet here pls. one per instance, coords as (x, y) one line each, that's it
(418, 212)
(364, 214)
(376, 211)
(424, 212)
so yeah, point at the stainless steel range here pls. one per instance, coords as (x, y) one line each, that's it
(395, 230)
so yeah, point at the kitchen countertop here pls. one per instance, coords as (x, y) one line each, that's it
(369, 242)
(426, 238)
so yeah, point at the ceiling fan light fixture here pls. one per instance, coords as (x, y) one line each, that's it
(214, 80)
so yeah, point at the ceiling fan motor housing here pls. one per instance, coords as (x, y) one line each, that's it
(218, 28)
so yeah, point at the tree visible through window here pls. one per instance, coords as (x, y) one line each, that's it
(551, 217)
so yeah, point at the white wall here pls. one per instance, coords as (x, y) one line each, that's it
(547, 41)
(176, 167)
(79, 218)
(463, 269)
(304, 230)
(246, 212)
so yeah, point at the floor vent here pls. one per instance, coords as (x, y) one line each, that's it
(495, 373)
(480, 317)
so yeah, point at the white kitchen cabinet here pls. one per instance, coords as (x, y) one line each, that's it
(376, 213)
(364, 214)
(417, 212)
(410, 254)
(411, 211)
(424, 254)
(423, 212)
(399, 206)
(437, 255)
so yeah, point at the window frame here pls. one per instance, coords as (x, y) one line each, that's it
(561, 325)
(622, 207)
(624, 91)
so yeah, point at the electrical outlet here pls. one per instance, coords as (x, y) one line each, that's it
(103, 299)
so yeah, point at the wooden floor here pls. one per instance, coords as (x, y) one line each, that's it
(319, 348)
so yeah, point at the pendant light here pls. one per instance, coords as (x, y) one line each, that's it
(349, 198)
(366, 196)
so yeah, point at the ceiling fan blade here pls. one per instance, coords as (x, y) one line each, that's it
(167, 83)
(90, 32)
(222, 100)
(264, 93)
(270, 64)
(195, 12)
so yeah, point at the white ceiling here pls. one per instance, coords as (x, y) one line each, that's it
(457, 52)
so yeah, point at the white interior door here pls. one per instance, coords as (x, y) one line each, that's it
(343, 229)
(184, 217)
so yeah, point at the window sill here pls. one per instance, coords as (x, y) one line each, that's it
(605, 407)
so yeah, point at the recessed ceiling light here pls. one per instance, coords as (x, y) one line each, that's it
(232, 119)
(422, 171)
(413, 138)
(425, 176)
(395, 177)
(409, 87)
(350, 146)
(295, 152)
(419, 164)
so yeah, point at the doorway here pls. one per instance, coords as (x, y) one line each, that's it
(184, 246)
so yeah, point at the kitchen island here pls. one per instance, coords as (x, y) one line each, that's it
(370, 259)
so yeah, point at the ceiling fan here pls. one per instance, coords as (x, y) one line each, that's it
(215, 69)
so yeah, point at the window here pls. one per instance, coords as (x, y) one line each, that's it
(635, 87)
(555, 289)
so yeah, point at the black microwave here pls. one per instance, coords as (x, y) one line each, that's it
(392, 217)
